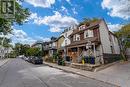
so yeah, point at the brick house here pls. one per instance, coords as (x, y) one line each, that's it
(94, 40)
(51, 47)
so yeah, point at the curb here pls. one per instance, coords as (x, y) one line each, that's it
(80, 74)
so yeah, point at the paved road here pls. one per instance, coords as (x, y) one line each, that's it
(18, 73)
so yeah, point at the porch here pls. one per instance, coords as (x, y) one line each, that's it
(79, 52)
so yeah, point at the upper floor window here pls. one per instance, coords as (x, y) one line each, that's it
(74, 38)
(88, 33)
(65, 42)
(78, 39)
(82, 27)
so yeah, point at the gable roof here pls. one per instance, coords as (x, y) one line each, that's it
(91, 26)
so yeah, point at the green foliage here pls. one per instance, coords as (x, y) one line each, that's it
(21, 14)
(12, 54)
(124, 39)
(56, 56)
(33, 52)
(21, 49)
(6, 42)
(87, 21)
(128, 44)
(124, 31)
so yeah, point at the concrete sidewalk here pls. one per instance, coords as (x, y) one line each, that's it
(119, 76)
(3, 61)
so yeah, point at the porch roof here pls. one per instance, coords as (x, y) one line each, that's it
(83, 42)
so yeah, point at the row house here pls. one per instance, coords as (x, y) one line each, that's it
(66, 33)
(53, 46)
(94, 40)
(50, 47)
(58, 44)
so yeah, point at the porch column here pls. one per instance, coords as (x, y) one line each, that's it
(78, 51)
(94, 50)
(67, 51)
(78, 54)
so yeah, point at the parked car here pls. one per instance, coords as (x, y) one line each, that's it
(30, 59)
(37, 60)
(26, 58)
(21, 56)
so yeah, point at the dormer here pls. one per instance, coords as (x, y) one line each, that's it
(82, 27)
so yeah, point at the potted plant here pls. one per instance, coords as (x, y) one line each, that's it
(55, 57)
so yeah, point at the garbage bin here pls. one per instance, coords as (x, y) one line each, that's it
(59, 61)
(67, 58)
(86, 59)
(92, 60)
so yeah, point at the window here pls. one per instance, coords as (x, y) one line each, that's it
(65, 42)
(74, 38)
(77, 38)
(86, 34)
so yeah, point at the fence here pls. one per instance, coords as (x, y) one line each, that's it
(109, 58)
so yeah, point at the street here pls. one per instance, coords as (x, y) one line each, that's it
(18, 73)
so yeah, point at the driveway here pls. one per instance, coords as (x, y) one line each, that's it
(118, 73)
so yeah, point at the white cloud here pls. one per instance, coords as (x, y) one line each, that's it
(69, 2)
(18, 1)
(19, 36)
(64, 10)
(74, 11)
(33, 16)
(55, 29)
(117, 8)
(56, 22)
(41, 3)
(114, 27)
(42, 38)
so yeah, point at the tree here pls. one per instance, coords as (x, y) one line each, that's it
(33, 52)
(124, 39)
(21, 49)
(5, 42)
(21, 14)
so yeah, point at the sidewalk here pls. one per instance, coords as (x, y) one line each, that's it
(116, 74)
(3, 61)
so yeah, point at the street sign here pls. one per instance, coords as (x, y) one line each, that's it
(7, 8)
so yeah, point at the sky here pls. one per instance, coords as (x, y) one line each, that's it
(50, 17)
